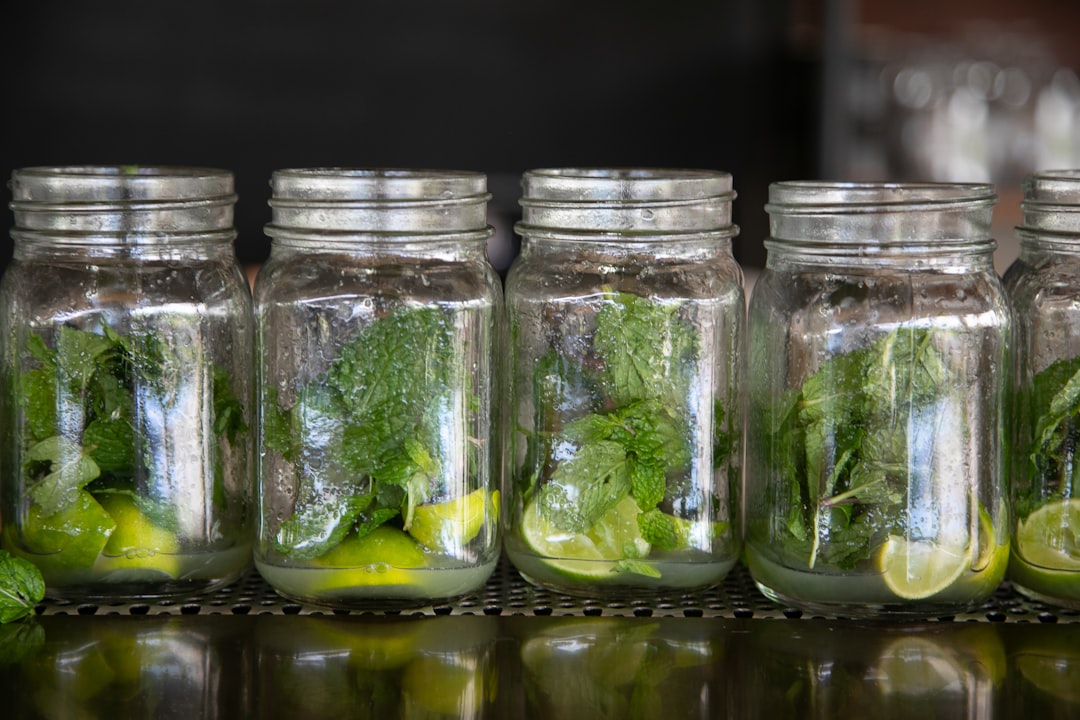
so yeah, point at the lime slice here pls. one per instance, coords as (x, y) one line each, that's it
(448, 526)
(1050, 536)
(917, 569)
(588, 555)
(136, 543)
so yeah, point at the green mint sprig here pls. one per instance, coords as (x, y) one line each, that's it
(365, 435)
(21, 587)
(843, 442)
(631, 436)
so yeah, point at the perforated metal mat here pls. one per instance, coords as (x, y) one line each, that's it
(507, 593)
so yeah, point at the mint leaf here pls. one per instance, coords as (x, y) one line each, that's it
(366, 436)
(654, 441)
(612, 418)
(228, 410)
(843, 440)
(70, 470)
(658, 529)
(636, 567)
(90, 380)
(1048, 415)
(585, 486)
(111, 444)
(21, 587)
(644, 347)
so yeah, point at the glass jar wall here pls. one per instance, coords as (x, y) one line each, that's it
(1043, 286)
(878, 350)
(376, 319)
(626, 317)
(127, 337)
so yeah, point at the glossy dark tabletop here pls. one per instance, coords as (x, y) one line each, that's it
(516, 652)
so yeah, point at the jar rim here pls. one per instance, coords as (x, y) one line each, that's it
(375, 184)
(1056, 189)
(121, 200)
(615, 184)
(93, 183)
(831, 197)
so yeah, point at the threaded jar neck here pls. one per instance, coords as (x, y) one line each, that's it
(324, 204)
(626, 203)
(1051, 208)
(121, 205)
(900, 224)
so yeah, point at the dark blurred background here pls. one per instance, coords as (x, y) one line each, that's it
(765, 89)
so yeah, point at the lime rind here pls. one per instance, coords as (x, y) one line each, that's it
(590, 555)
(450, 525)
(918, 569)
(1049, 537)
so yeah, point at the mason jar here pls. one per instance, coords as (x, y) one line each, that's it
(626, 317)
(1044, 286)
(376, 316)
(126, 337)
(876, 441)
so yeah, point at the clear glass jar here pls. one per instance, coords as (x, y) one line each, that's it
(127, 340)
(1044, 287)
(376, 317)
(626, 315)
(878, 350)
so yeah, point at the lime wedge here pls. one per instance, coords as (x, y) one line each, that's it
(917, 569)
(1050, 536)
(68, 539)
(385, 545)
(588, 555)
(136, 543)
(448, 526)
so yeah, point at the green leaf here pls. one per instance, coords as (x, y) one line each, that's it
(78, 355)
(37, 395)
(636, 567)
(843, 444)
(645, 347)
(228, 410)
(21, 587)
(70, 470)
(316, 527)
(111, 444)
(585, 486)
(658, 529)
(373, 420)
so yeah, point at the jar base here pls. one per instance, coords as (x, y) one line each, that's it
(863, 595)
(377, 586)
(189, 575)
(600, 579)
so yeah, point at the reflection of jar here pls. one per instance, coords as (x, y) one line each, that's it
(823, 670)
(1044, 286)
(116, 667)
(375, 321)
(1044, 670)
(878, 354)
(126, 362)
(410, 668)
(628, 667)
(626, 316)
